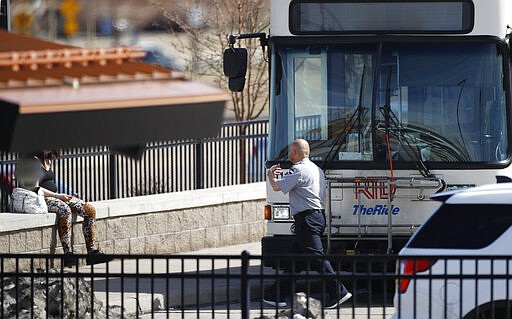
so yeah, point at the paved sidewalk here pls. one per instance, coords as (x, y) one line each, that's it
(139, 294)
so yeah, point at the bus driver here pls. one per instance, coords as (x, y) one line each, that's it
(305, 183)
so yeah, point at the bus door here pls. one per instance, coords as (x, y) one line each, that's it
(307, 94)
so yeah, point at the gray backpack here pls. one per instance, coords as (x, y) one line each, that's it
(28, 202)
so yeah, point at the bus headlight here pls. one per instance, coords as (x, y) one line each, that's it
(280, 212)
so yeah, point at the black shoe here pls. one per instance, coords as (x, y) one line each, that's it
(333, 303)
(97, 257)
(270, 297)
(69, 260)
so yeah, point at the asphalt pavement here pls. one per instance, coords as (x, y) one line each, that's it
(181, 286)
(138, 294)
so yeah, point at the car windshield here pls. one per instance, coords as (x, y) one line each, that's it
(436, 102)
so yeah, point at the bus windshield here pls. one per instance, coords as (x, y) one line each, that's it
(441, 103)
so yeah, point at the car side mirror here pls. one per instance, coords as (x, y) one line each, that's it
(235, 68)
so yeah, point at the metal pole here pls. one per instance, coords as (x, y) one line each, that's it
(329, 217)
(53, 7)
(112, 175)
(90, 22)
(244, 291)
(359, 221)
(390, 219)
(199, 165)
(5, 18)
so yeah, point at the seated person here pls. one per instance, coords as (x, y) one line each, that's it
(39, 166)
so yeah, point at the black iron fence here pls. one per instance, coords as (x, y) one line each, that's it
(207, 286)
(236, 156)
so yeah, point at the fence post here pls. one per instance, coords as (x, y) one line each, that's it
(244, 285)
(112, 159)
(199, 165)
(243, 153)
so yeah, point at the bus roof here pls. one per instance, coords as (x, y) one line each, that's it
(491, 17)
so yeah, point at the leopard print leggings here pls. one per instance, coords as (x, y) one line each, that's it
(64, 210)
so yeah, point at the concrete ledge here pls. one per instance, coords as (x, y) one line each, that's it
(15, 222)
(143, 205)
(156, 224)
(180, 200)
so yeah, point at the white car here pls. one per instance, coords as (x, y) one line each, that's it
(459, 262)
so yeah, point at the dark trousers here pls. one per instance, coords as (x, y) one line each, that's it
(309, 226)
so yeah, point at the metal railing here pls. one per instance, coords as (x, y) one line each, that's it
(236, 156)
(213, 286)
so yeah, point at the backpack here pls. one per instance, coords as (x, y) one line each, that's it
(28, 202)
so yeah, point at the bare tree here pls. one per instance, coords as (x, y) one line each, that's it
(206, 25)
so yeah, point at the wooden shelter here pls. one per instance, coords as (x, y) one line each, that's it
(59, 96)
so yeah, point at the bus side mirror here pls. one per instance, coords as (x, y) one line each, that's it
(235, 67)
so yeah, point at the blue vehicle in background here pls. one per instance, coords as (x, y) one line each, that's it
(156, 56)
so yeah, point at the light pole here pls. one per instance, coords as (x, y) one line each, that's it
(90, 20)
(52, 19)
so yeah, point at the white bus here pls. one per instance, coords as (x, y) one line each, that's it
(398, 99)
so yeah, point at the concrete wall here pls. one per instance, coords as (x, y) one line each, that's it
(155, 224)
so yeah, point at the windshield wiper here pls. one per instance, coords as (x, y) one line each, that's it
(358, 114)
(390, 119)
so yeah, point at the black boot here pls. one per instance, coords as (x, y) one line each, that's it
(97, 257)
(69, 260)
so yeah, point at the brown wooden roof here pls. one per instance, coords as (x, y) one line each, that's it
(126, 95)
(41, 76)
(17, 42)
(30, 62)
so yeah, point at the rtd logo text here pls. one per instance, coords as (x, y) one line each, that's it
(373, 187)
